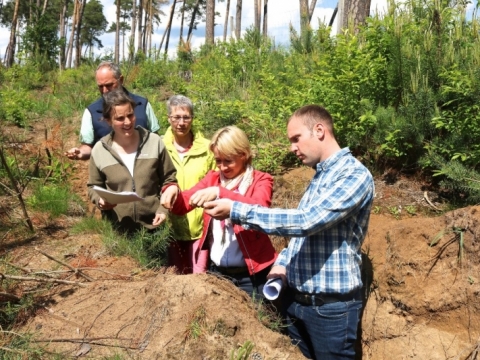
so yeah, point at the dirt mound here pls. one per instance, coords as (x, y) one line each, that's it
(164, 317)
(422, 274)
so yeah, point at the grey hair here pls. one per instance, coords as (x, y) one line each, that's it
(179, 101)
(114, 68)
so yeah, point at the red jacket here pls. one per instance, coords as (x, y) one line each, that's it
(256, 247)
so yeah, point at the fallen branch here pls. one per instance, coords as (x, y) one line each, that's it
(26, 278)
(92, 341)
(76, 271)
(425, 195)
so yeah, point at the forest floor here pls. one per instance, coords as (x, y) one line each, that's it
(421, 281)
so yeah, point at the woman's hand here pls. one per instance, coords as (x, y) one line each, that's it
(169, 196)
(202, 196)
(104, 205)
(159, 218)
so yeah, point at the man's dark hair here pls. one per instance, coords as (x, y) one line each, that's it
(313, 114)
(114, 98)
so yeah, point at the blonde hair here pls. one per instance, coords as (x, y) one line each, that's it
(231, 141)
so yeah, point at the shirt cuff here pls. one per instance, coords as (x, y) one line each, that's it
(238, 214)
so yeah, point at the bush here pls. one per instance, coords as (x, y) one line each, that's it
(53, 199)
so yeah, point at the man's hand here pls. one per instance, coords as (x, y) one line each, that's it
(218, 209)
(278, 271)
(169, 196)
(159, 218)
(79, 153)
(104, 205)
(73, 153)
(204, 195)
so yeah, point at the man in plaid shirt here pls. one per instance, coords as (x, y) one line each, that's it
(322, 263)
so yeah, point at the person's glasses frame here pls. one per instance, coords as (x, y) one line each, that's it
(177, 118)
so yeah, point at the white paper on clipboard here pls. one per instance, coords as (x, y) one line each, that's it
(116, 197)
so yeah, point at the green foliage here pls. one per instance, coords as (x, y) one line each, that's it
(15, 106)
(94, 24)
(146, 247)
(151, 74)
(461, 183)
(243, 352)
(53, 199)
(14, 313)
(41, 41)
(404, 87)
(20, 346)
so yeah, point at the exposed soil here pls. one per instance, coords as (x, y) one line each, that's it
(421, 291)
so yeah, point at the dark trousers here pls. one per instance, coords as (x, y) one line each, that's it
(251, 284)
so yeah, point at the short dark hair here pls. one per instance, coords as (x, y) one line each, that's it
(114, 98)
(313, 114)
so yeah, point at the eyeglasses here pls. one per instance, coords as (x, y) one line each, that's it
(177, 119)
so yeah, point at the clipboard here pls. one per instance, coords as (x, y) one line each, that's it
(116, 197)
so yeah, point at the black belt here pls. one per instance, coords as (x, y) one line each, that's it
(232, 270)
(319, 300)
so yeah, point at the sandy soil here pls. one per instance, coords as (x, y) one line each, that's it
(421, 281)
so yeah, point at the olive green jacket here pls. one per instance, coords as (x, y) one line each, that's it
(153, 170)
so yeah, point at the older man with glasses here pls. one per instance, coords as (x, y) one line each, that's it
(108, 77)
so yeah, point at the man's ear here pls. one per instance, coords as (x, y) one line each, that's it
(121, 79)
(319, 130)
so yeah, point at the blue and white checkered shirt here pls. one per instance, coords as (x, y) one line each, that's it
(327, 228)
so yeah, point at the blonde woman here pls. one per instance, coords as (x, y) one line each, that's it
(243, 256)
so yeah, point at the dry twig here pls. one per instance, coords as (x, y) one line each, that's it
(26, 278)
(427, 199)
(76, 271)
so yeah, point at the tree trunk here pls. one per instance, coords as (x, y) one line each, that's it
(116, 56)
(181, 23)
(256, 17)
(265, 18)
(192, 21)
(63, 15)
(352, 14)
(145, 25)
(45, 4)
(72, 34)
(225, 26)
(10, 53)
(311, 9)
(303, 16)
(210, 23)
(132, 34)
(238, 19)
(140, 17)
(169, 26)
(78, 52)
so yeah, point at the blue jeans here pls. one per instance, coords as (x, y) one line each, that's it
(324, 332)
